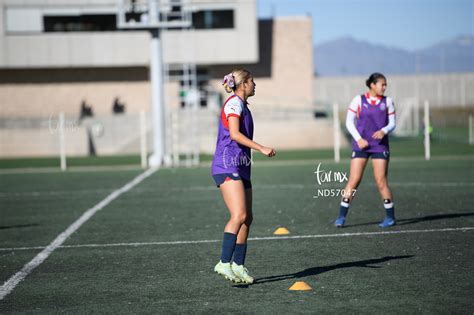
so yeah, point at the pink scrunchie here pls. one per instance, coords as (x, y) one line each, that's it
(229, 79)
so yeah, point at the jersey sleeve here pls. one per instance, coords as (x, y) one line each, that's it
(351, 126)
(233, 108)
(391, 117)
(390, 106)
(354, 106)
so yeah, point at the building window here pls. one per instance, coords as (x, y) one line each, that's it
(80, 23)
(207, 19)
(212, 19)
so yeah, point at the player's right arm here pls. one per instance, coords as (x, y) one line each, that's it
(232, 111)
(240, 138)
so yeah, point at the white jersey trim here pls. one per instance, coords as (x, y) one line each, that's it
(233, 107)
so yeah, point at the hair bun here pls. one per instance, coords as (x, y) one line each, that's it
(229, 79)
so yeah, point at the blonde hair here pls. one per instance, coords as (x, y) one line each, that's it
(239, 76)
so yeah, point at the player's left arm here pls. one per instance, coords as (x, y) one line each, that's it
(391, 121)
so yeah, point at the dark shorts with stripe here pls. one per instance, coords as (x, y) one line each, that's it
(221, 178)
(385, 155)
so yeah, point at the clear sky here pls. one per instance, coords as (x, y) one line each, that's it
(407, 24)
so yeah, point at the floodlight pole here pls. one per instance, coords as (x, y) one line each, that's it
(151, 21)
(156, 78)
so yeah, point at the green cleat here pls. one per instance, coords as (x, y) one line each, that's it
(225, 270)
(242, 273)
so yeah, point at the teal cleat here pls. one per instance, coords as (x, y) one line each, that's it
(225, 270)
(387, 222)
(242, 273)
(340, 222)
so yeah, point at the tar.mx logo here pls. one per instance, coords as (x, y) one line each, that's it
(235, 159)
(324, 176)
(57, 124)
(329, 177)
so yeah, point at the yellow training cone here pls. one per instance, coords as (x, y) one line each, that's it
(281, 231)
(300, 286)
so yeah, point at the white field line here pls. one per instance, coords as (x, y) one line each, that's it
(269, 163)
(269, 238)
(41, 170)
(275, 161)
(315, 161)
(200, 188)
(11, 283)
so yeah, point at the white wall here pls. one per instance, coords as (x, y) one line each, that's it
(440, 90)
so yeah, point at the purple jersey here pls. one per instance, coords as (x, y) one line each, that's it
(371, 118)
(231, 157)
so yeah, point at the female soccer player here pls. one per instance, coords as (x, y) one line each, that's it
(231, 171)
(370, 118)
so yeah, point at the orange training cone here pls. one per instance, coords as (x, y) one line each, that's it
(300, 286)
(281, 231)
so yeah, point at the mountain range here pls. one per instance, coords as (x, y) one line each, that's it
(348, 56)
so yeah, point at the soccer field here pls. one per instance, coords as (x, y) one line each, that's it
(153, 248)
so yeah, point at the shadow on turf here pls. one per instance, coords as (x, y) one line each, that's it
(421, 219)
(368, 263)
(17, 226)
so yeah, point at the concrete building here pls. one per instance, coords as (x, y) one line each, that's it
(55, 54)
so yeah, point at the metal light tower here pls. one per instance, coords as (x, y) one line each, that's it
(154, 15)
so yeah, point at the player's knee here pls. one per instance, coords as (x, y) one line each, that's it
(381, 182)
(240, 217)
(353, 182)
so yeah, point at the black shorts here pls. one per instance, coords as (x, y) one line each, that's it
(385, 155)
(221, 178)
